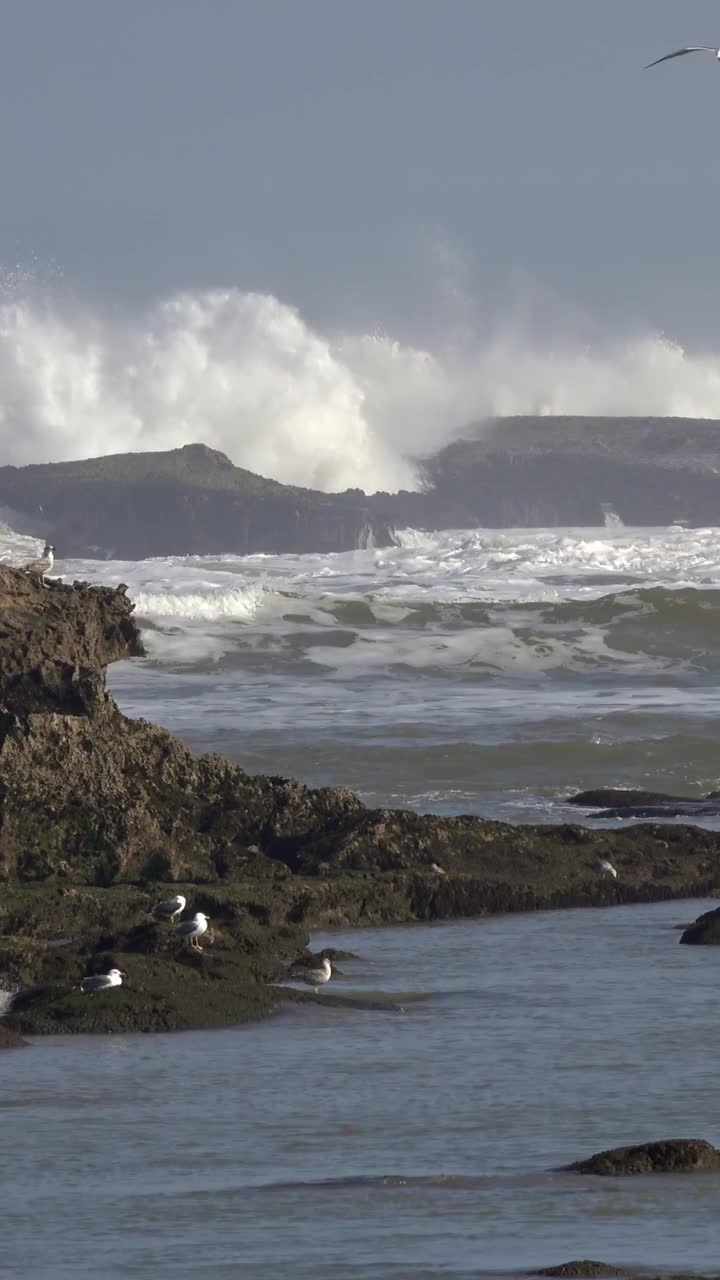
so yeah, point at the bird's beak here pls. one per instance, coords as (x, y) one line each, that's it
(123, 975)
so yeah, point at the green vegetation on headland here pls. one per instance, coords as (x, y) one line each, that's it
(100, 814)
(524, 471)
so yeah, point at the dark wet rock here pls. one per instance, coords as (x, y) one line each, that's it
(619, 798)
(616, 803)
(581, 1269)
(705, 931)
(674, 1155)
(9, 1038)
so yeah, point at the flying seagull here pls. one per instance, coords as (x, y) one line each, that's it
(193, 929)
(38, 568)
(679, 53)
(607, 867)
(101, 981)
(168, 908)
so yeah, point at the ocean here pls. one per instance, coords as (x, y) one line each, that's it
(487, 672)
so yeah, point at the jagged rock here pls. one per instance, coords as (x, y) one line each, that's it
(673, 1155)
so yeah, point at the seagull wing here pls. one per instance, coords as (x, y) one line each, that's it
(679, 53)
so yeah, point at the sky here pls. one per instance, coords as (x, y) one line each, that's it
(368, 161)
(325, 236)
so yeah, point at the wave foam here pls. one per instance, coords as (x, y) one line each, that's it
(247, 374)
(237, 603)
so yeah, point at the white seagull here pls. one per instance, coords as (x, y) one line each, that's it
(168, 908)
(679, 53)
(38, 568)
(101, 981)
(315, 977)
(607, 867)
(193, 929)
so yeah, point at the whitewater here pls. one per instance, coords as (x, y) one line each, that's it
(475, 671)
(327, 408)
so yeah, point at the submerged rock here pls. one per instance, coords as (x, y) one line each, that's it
(705, 931)
(580, 1269)
(616, 803)
(673, 1155)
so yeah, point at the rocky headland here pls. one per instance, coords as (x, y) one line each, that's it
(100, 815)
(523, 471)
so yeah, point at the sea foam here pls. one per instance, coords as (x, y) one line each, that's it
(248, 374)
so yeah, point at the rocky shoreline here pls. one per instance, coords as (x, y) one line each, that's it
(100, 814)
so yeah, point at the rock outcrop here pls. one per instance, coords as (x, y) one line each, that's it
(189, 501)
(674, 1155)
(545, 471)
(99, 814)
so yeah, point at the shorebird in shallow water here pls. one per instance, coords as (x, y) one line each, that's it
(679, 53)
(314, 977)
(193, 929)
(38, 568)
(606, 867)
(169, 908)
(101, 981)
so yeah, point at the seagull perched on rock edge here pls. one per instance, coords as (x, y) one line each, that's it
(314, 977)
(679, 53)
(193, 929)
(168, 908)
(38, 568)
(101, 981)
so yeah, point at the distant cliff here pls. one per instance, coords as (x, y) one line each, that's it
(552, 471)
(189, 501)
(525, 472)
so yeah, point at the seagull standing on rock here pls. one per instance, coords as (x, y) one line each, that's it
(168, 908)
(101, 981)
(38, 568)
(193, 929)
(315, 978)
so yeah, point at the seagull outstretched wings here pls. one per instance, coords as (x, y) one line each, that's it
(679, 53)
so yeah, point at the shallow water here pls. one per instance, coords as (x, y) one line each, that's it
(372, 1144)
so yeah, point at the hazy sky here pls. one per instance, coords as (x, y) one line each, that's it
(364, 159)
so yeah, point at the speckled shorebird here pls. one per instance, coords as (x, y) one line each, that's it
(38, 568)
(193, 929)
(315, 978)
(603, 865)
(169, 908)
(101, 981)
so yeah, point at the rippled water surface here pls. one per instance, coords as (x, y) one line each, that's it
(375, 1144)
